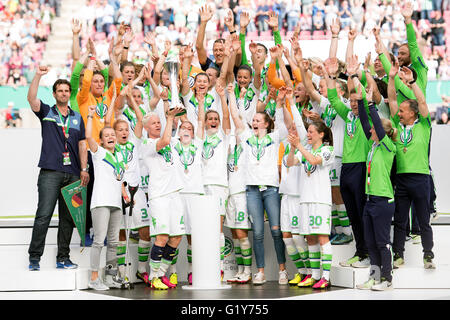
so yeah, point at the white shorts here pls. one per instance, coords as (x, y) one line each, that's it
(187, 210)
(140, 216)
(237, 214)
(222, 195)
(166, 214)
(315, 218)
(289, 214)
(335, 172)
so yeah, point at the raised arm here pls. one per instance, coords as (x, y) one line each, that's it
(93, 146)
(201, 117)
(335, 28)
(240, 125)
(423, 107)
(112, 108)
(34, 102)
(156, 92)
(392, 94)
(364, 118)
(187, 57)
(167, 135)
(205, 15)
(139, 116)
(226, 125)
(76, 29)
(306, 77)
(244, 20)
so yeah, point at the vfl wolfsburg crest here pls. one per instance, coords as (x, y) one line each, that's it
(119, 172)
(101, 110)
(126, 151)
(166, 153)
(209, 145)
(259, 147)
(186, 156)
(406, 135)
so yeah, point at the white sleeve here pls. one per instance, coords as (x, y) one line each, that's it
(99, 154)
(327, 155)
(299, 123)
(280, 125)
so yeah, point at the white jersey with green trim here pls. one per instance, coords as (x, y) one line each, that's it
(130, 153)
(188, 161)
(214, 156)
(163, 176)
(236, 165)
(315, 179)
(290, 176)
(333, 121)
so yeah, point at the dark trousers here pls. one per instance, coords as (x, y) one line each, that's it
(49, 189)
(353, 176)
(377, 217)
(415, 228)
(412, 187)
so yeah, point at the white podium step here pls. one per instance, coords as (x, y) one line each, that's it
(15, 276)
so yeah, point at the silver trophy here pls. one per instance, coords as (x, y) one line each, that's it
(173, 68)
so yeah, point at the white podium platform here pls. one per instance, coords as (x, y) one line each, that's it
(15, 276)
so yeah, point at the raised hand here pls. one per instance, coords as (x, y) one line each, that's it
(407, 11)
(229, 20)
(242, 93)
(369, 94)
(273, 20)
(281, 94)
(205, 13)
(128, 37)
(272, 93)
(289, 93)
(42, 70)
(220, 89)
(352, 34)
(122, 29)
(406, 74)
(394, 69)
(335, 27)
(274, 52)
(150, 39)
(244, 20)
(76, 26)
(331, 66)
(92, 109)
(252, 47)
(352, 65)
(164, 94)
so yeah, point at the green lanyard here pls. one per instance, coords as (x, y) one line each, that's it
(65, 126)
(207, 104)
(260, 144)
(125, 149)
(248, 95)
(111, 159)
(210, 144)
(407, 134)
(237, 153)
(353, 125)
(100, 107)
(184, 152)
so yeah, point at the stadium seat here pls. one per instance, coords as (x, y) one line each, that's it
(305, 35)
(252, 35)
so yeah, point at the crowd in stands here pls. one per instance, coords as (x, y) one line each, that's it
(26, 25)
(24, 30)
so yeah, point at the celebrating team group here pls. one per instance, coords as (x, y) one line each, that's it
(328, 152)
